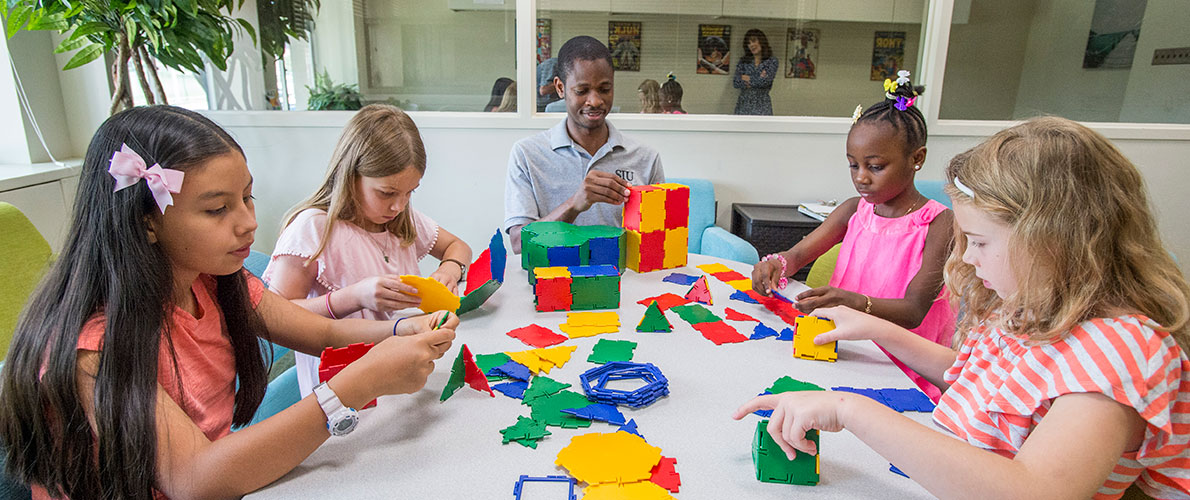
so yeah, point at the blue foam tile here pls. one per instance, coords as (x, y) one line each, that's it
(742, 297)
(906, 400)
(764, 413)
(499, 256)
(871, 393)
(594, 270)
(510, 369)
(782, 297)
(563, 256)
(761, 331)
(786, 334)
(604, 251)
(597, 411)
(519, 487)
(892, 468)
(681, 279)
(630, 428)
(515, 390)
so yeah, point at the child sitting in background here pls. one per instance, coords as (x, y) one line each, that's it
(1072, 363)
(343, 250)
(671, 96)
(894, 240)
(138, 351)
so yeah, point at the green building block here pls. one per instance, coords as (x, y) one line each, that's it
(595, 292)
(790, 384)
(773, 467)
(654, 320)
(606, 351)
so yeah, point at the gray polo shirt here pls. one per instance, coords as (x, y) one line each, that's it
(546, 169)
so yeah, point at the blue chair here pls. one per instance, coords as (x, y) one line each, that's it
(282, 391)
(933, 190)
(705, 237)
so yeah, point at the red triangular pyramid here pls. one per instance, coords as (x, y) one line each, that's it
(473, 375)
(699, 292)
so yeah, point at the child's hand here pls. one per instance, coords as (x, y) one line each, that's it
(449, 276)
(401, 364)
(766, 276)
(827, 296)
(794, 413)
(851, 324)
(600, 187)
(384, 294)
(424, 323)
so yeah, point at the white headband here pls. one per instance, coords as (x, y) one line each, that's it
(963, 187)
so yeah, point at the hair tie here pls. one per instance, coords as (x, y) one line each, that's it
(128, 168)
(904, 103)
(859, 110)
(671, 77)
(963, 188)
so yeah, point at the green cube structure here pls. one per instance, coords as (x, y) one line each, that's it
(773, 467)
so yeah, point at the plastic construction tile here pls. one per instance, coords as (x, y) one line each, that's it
(519, 488)
(611, 350)
(594, 383)
(699, 292)
(595, 270)
(654, 321)
(763, 413)
(537, 336)
(514, 390)
(541, 387)
(545, 273)
(511, 369)
(900, 400)
(479, 272)
(809, 327)
(587, 331)
(786, 334)
(695, 314)
(548, 410)
(525, 431)
(486, 362)
(665, 301)
(681, 279)
(593, 318)
(463, 371)
(735, 315)
(741, 285)
(778, 305)
(478, 297)
(630, 428)
(598, 411)
(531, 361)
(790, 384)
(564, 256)
(556, 356)
(728, 276)
(761, 331)
(637, 490)
(434, 295)
(665, 474)
(893, 469)
(742, 296)
(713, 268)
(676, 247)
(585, 458)
(772, 466)
(720, 333)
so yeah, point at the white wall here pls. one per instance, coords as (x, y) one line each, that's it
(1158, 93)
(984, 61)
(464, 184)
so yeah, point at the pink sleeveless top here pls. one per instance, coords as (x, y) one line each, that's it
(880, 256)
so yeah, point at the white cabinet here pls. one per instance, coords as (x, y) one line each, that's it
(774, 9)
(712, 8)
(575, 5)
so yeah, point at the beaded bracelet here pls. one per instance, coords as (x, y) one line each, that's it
(783, 282)
(330, 311)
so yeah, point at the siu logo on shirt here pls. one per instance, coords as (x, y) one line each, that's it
(625, 174)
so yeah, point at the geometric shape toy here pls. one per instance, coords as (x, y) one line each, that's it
(595, 383)
(465, 370)
(434, 295)
(616, 457)
(654, 320)
(699, 292)
(772, 466)
(804, 347)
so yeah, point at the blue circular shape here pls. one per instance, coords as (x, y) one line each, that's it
(595, 383)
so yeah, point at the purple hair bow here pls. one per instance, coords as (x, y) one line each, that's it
(903, 102)
(128, 168)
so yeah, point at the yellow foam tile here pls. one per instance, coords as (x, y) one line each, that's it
(632, 245)
(575, 332)
(558, 355)
(593, 318)
(742, 285)
(434, 295)
(640, 490)
(652, 210)
(530, 360)
(670, 185)
(676, 247)
(716, 267)
(804, 347)
(616, 457)
(545, 273)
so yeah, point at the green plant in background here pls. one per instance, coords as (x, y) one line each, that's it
(178, 33)
(327, 94)
(281, 20)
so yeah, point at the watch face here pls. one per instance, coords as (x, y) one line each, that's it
(343, 423)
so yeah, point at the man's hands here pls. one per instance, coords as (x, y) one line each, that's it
(599, 187)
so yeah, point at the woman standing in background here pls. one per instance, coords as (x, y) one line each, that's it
(754, 75)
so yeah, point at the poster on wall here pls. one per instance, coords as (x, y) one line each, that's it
(801, 52)
(714, 49)
(543, 40)
(623, 40)
(888, 54)
(1115, 29)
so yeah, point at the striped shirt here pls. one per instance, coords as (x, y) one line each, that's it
(1001, 388)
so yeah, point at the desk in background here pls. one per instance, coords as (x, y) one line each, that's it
(412, 446)
(772, 228)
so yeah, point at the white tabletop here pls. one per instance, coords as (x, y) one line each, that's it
(412, 446)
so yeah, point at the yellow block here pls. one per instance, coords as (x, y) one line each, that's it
(434, 295)
(804, 347)
(530, 360)
(558, 355)
(714, 268)
(593, 318)
(616, 457)
(741, 285)
(669, 186)
(551, 272)
(676, 247)
(632, 259)
(640, 490)
(652, 210)
(575, 332)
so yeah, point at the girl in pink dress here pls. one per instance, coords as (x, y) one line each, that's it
(894, 239)
(343, 250)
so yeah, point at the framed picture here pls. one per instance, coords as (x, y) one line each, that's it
(801, 52)
(1115, 30)
(714, 49)
(543, 40)
(888, 54)
(623, 40)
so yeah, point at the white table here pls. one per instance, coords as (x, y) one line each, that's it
(412, 446)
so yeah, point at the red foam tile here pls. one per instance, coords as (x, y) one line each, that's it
(537, 336)
(735, 315)
(726, 276)
(666, 475)
(720, 333)
(632, 206)
(333, 360)
(479, 272)
(677, 208)
(472, 375)
(554, 294)
(665, 301)
(782, 309)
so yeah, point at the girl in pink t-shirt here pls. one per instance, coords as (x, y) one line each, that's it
(894, 239)
(1071, 378)
(344, 249)
(138, 351)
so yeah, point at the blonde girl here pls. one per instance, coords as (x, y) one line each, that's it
(1071, 365)
(343, 250)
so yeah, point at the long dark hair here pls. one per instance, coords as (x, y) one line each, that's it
(108, 266)
(766, 51)
(498, 89)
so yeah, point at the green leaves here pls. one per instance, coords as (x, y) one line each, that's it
(16, 19)
(88, 54)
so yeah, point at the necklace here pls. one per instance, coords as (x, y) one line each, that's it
(383, 248)
(913, 206)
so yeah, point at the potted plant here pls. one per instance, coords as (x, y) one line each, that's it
(327, 94)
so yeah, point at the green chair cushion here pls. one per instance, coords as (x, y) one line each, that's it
(26, 258)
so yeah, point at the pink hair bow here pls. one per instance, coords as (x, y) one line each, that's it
(128, 168)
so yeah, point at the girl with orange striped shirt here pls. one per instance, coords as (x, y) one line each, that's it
(1071, 363)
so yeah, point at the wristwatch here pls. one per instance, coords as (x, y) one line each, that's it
(340, 420)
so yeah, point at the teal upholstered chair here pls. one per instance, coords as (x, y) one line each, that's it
(705, 237)
(283, 389)
(933, 190)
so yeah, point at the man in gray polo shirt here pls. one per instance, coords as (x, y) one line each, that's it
(580, 169)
